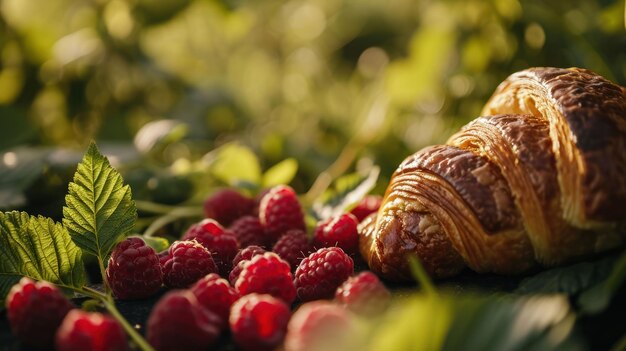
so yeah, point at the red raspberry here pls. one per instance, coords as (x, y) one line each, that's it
(179, 322)
(363, 294)
(338, 231)
(216, 295)
(85, 331)
(292, 247)
(368, 205)
(259, 322)
(248, 231)
(319, 275)
(267, 274)
(227, 205)
(133, 271)
(240, 260)
(221, 243)
(280, 211)
(319, 326)
(35, 310)
(187, 262)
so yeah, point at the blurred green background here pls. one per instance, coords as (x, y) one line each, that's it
(305, 79)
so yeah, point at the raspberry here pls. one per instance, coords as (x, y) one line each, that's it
(319, 275)
(221, 243)
(292, 247)
(179, 322)
(259, 322)
(227, 205)
(240, 260)
(267, 274)
(248, 231)
(280, 211)
(320, 326)
(82, 331)
(216, 295)
(35, 310)
(368, 205)
(363, 294)
(187, 262)
(133, 271)
(338, 231)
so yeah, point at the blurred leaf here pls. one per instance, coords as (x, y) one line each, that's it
(597, 298)
(235, 163)
(156, 242)
(506, 323)
(347, 191)
(155, 135)
(570, 280)
(19, 168)
(281, 173)
(99, 207)
(418, 323)
(38, 248)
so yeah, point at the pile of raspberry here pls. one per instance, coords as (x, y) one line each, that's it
(241, 270)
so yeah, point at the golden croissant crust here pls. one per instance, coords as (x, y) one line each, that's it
(539, 180)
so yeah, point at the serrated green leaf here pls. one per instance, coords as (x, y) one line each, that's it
(235, 163)
(99, 208)
(570, 280)
(39, 248)
(281, 173)
(347, 191)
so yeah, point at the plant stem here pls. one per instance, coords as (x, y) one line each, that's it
(421, 276)
(154, 207)
(104, 276)
(141, 343)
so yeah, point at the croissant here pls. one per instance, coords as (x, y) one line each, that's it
(539, 180)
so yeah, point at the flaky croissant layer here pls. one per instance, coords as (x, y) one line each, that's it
(540, 179)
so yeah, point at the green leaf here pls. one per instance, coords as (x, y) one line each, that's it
(99, 208)
(156, 242)
(417, 323)
(281, 173)
(348, 190)
(235, 163)
(19, 168)
(597, 298)
(570, 280)
(39, 248)
(506, 323)
(475, 322)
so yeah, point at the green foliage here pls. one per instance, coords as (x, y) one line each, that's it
(346, 192)
(474, 322)
(156, 242)
(597, 298)
(236, 165)
(570, 280)
(539, 322)
(280, 173)
(99, 208)
(38, 248)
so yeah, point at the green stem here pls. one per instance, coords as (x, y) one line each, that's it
(154, 207)
(172, 216)
(104, 276)
(141, 343)
(421, 276)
